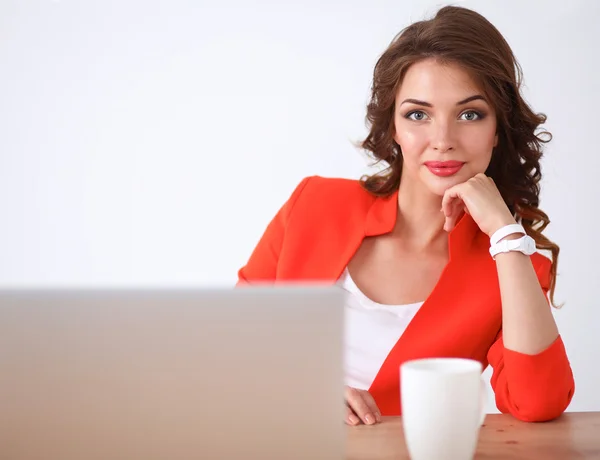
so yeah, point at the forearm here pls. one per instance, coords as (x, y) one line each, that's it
(527, 321)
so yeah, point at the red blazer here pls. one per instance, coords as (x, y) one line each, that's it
(314, 236)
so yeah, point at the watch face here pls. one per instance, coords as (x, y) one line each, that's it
(530, 245)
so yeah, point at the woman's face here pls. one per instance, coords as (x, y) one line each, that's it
(444, 126)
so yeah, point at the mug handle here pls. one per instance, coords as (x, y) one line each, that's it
(482, 403)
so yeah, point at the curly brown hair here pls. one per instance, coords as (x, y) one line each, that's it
(461, 36)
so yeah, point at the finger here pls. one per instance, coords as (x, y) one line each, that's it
(359, 406)
(456, 209)
(449, 223)
(351, 418)
(450, 196)
(372, 405)
(447, 201)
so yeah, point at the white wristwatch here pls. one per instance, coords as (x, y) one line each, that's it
(525, 244)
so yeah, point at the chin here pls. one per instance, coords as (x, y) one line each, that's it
(439, 185)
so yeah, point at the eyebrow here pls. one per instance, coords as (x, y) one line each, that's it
(427, 104)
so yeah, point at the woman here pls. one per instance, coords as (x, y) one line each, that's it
(438, 252)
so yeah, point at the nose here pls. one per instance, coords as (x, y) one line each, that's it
(442, 136)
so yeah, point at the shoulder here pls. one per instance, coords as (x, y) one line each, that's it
(329, 190)
(323, 198)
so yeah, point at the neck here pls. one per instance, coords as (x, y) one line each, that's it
(420, 221)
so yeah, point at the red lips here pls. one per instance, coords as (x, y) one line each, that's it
(444, 168)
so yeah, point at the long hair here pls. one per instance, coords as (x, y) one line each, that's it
(457, 35)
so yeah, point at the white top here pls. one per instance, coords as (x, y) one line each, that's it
(371, 331)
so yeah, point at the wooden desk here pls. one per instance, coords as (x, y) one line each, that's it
(574, 435)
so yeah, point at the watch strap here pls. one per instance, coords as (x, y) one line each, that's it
(525, 244)
(503, 232)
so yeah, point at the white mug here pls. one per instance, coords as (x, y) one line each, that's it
(443, 407)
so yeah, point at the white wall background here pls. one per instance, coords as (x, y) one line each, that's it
(149, 143)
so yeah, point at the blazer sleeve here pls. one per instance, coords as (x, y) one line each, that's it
(262, 265)
(533, 388)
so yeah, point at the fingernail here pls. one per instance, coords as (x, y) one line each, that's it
(353, 419)
(378, 417)
(369, 418)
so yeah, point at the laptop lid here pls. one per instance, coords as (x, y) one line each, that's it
(181, 374)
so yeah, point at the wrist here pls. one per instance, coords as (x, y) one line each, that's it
(501, 224)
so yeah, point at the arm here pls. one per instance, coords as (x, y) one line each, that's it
(262, 265)
(528, 323)
(532, 377)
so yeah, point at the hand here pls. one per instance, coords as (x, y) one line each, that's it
(480, 198)
(361, 407)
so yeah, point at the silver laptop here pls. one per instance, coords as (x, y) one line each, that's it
(250, 373)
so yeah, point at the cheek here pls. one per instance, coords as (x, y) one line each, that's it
(413, 142)
(480, 144)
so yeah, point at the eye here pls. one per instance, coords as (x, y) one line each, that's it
(416, 115)
(471, 115)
